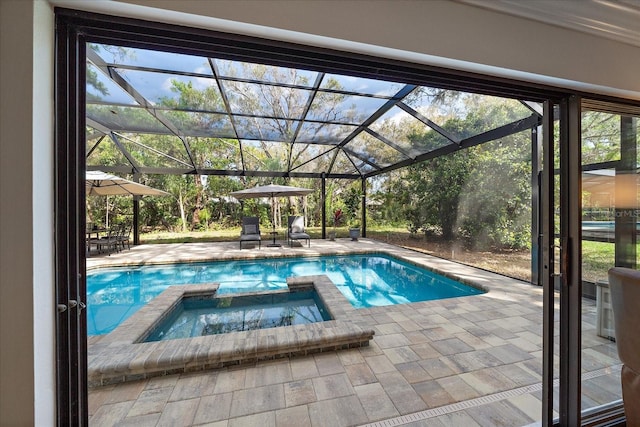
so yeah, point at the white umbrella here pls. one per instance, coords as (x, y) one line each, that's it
(99, 183)
(271, 190)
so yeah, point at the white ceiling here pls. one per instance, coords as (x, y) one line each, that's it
(614, 19)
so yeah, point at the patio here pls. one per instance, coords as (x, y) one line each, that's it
(462, 361)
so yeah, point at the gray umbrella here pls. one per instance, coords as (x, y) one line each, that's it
(271, 190)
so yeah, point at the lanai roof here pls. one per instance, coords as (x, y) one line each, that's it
(159, 112)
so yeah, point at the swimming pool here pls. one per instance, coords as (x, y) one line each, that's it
(114, 294)
(199, 316)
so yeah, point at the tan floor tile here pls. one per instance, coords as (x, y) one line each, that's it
(499, 414)
(340, 412)
(99, 397)
(231, 380)
(259, 399)
(457, 388)
(439, 367)
(458, 419)
(179, 413)
(299, 392)
(150, 401)
(332, 386)
(127, 391)
(213, 408)
(111, 414)
(194, 385)
(293, 417)
(265, 419)
(267, 373)
(488, 381)
(328, 363)
(377, 405)
(350, 357)
(433, 393)
(413, 372)
(529, 405)
(403, 354)
(380, 364)
(360, 374)
(403, 396)
(391, 340)
(303, 367)
(149, 420)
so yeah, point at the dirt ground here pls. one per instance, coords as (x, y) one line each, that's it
(515, 264)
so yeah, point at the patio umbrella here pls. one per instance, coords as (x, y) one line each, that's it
(273, 191)
(99, 183)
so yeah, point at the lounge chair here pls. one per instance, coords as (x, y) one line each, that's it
(296, 230)
(250, 231)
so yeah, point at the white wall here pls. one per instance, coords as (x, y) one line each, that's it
(27, 379)
(434, 31)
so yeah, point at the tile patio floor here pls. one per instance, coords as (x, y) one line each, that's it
(472, 361)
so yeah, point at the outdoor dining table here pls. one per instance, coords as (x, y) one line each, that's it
(90, 233)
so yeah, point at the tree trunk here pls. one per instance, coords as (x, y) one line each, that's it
(183, 215)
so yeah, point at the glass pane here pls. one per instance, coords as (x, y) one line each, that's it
(465, 114)
(265, 100)
(176, 91)
(265, 155)
(266, 73)
(200, 124)
(125, 119)
(117, 55)
(160, 151)
(343, 164)
(267, 129)
(302, 153)
(335, 107)
(106, 153)
(318, 165)
(101, 88)
(409, 134)
(609, 238)
(600, 137)
(360, 85)
(323, 133)
(374, 150)
(216, 153)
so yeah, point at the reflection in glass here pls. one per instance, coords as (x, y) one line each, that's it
(125, 119)
(100, 88)
(201, 124)
(335, 107)
(176, 91)
(323, 133)
(375, 151)
(400, 127)
(261, 128)
(265, 100)
(117, 55)
(455, 108)
(266, 73)
(265, 155)
(360, 85)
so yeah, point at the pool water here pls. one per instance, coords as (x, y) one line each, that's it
(114, 294)
(198, 316)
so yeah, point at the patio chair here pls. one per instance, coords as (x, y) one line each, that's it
(123, 235)
(295, 231)
(110, 241)
(624, 284)
(250, 231)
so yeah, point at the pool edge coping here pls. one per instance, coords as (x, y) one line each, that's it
(120, 357)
